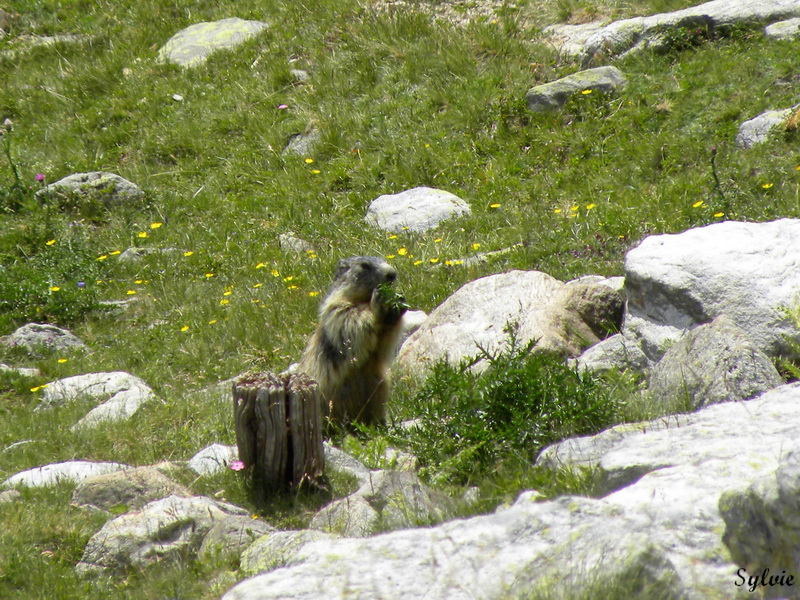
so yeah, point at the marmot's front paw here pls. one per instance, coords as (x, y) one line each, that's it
(391, 303)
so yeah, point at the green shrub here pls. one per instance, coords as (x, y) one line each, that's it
(469, 422)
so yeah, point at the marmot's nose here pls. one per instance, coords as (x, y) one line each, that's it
(391, 276)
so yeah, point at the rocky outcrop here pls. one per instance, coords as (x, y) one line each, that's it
(674, 490)
(603, 39)
(784, 30)
(418, 209)
(38, 338)
(95, 188)
(759, 129)
(746, 271)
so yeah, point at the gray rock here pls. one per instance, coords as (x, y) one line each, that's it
(758, 130)
(713, 363)
(135, 255)
(25, 42)
(119, 395)
(72, 471)
(614, 352)
(213, 459)
(129, 488)
(747, 271)
(98, 187)
(37, 337)
(21, 371)
(161, 530)
(565, 319)
(588, 41)
(192, 46)
(340, 461)
(661, 530)
(304, 144)
(278, 549)
(351, 517)
(300, 76)
(419, 209)
(289, 242)
(784, 30)
(552, 96)
(232, 536)
(402, 500)
(10, 496)
(409, 323)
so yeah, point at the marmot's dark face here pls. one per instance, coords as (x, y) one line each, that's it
(362, 274)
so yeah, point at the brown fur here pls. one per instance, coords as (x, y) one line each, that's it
(354, 343)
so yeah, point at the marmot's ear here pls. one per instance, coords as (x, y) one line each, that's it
(341, 269)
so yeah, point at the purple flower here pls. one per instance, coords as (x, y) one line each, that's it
(81, 284)
(237, 465)
(40, 177)
(283, 106)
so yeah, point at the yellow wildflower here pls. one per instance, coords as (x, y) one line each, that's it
(188, 253)
(49, 242)
(417, 262)
(55, 288)
(766, 186)
(115, 252)
(313, 294)
(698, 204)
(433, 261)
(155, 225)
(475, 246)
(402, 251)
(142, 234)
(309, 161)
(185, 328)
(224, 301)
(495, 205)
(261, 265)
(590, 206)
(131, 292)
(102, 257)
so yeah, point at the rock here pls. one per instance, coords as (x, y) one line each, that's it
(10, 496)
(419, 209)
(304, 144)
(713, 363)
(21, 371)
(747, 271)
(73, 471)
(299, 75)
(213, 459)
(127, 489)
(37, 337)
(409, 323)
(26, 42)
(98, 187)
(762, 528)
(192, 46)
(784, 30)
(232, 536)
(135, 255)
(758, 130)
(543, 308)
(401, 499)
(351, 517)
(340, 461)
(278, 549)
(120, 395)
(160, 530)
(595, 40)
(289, 242)
(662, 527)
(552, 96)
(614, 352)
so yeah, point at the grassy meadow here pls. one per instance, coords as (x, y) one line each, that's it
(402, 99)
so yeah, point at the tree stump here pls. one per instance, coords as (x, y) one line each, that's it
(279, 429)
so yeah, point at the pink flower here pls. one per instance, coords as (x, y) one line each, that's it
(282, 106)
(237, 465)
(40, 177)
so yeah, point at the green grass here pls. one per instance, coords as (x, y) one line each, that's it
(402, 100)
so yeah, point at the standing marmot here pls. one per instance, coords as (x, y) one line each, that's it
(355, 341)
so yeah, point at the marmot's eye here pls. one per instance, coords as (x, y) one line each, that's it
(366, 266)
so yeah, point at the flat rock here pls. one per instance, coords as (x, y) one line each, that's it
(784, 30)
(119, 395)
(289, 242)
(21, 371)
(73, 471)
(614, 352)
(588, 41)
(278, 549)
(713, 363)
(213, 459)
(230, 537)
(747, 271)
(192, 46)
(37, 337)
(672, 493)
(419, 209)
(304, 144)
(129, 488)
(759, 129)
(99, 187)
(160, 530)
(552, 96)
(352, 516)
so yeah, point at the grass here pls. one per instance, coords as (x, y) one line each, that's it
(402, 99)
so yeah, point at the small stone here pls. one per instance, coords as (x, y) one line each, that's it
(419, 209)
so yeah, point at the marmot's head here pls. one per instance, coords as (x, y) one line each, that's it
(358, 276)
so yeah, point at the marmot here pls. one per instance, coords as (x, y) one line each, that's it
(355, 341)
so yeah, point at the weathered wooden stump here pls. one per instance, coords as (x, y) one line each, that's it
(279, 429)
